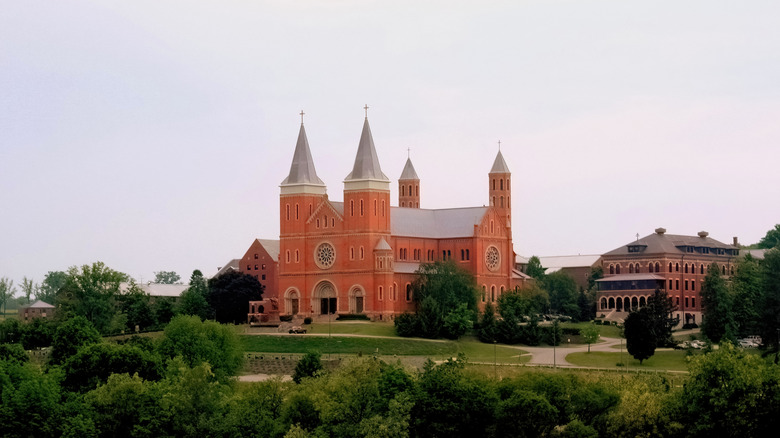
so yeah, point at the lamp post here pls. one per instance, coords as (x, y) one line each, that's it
(555, 365)
(495, 361)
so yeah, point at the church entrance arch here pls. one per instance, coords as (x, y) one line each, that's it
(356, 299)
(324, 298)
(292, 301)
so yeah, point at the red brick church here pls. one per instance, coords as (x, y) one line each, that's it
(360, 255)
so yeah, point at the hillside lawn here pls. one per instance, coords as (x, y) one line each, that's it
(671, 360)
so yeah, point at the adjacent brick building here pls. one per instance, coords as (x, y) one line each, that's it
(674, 263)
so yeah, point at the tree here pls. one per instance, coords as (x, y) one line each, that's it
(487, 331)
(525, 414)
(70, 336)
(91, 291)
(660, 309)
(166, 277)
(640, 339)
(93, 364)
(29, 288)
(7, 291)
(731, 393)
(770, 299)
(136, 305)
(440, 289)
(718, 320)
(310, 365)
(193, 300)
(563, 293)
(771, 239)
(746, 292)
(13, 352)
(51, 285)
(591, 334)
(199, 341)
(230, 294)
(535, 268)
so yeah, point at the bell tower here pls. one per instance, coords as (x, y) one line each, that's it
(409, 187)
(500, 188)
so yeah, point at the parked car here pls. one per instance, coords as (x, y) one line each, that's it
(298, 330)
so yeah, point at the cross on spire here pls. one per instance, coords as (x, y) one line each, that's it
(408, 152)
(366, 108)
(499, 145)
(302, 113)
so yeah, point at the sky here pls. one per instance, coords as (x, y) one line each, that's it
(153, 135)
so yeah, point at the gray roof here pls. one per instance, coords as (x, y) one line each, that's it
(233, 265)
(662, 243)
(499, 166)
(302, 168)
(409, 172)
(382, 245)
(157, 289)
(406, 267)
(568, 261)
(271, 247)
(632, 277)
(366, 161)
(757, 254)
(38, 304)
(436, 224)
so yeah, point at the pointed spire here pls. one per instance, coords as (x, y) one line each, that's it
(499, 166)
(366, 161)
(302, 169)
(409, 172)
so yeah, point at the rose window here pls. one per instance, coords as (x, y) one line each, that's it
(325, 255)
(492, 258)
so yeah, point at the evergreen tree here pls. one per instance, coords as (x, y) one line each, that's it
(535, 268)
(770, 299)
(640, 339)
(488, 329)
(718, 321)
(747, 289)
(661, 308)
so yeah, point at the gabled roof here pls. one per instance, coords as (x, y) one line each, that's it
(366, 161)
(662, 243)
(271, 247)
(157, 289)
(38, 304)
(436, 224)
(409, 172)
(382, 245)
(302, 168)
(499, 166)
(232, 265)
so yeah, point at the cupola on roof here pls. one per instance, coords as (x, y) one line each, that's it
(409, 172)
(366, 161)
(302, 169)
(499, 166)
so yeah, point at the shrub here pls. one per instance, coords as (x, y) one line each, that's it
(690, 326)
(285, 318)
(573, 331)
(406, 324)
(307, 320)
(353, 317)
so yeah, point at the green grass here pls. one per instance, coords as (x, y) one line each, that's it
(474, 350)
(674, 360)
(353, 328)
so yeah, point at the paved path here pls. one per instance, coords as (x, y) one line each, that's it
(557, 355)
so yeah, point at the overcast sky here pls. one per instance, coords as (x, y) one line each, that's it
(153, 135)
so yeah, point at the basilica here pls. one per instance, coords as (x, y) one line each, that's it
(360, 255)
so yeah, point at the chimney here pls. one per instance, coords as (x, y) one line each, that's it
(736, 241)
(660, 230)
(703, 234)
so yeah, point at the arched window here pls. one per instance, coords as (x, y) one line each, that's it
(617, 269)
(296, 212)
(352, 253)
(403, 190)
(723, 269)
(603, 303)
(287, 209)
(297, 256)
(677, 267)
(650, 268)
(408, 292)
(657, 267)
(467, 255)
(493, 294)
(611, 269)
(381, 296)
(636, 268)
(361, 207)
(701, 268)
(670, 266)
(502, 201)
(502, 184)
(642, 302)
(462, 255)
(351, 208)
(410, 190)
(375, 207)
(484, 292)
(494, 184)
(686, 268)
(630, 269)
(361, 253)
(288, 256)
(611, 303)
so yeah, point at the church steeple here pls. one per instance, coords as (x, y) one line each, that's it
(366, 165)
(500, 189)
(409, 187)
(303, 176)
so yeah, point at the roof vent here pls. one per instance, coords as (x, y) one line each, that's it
(660, 230)
(703, 234)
